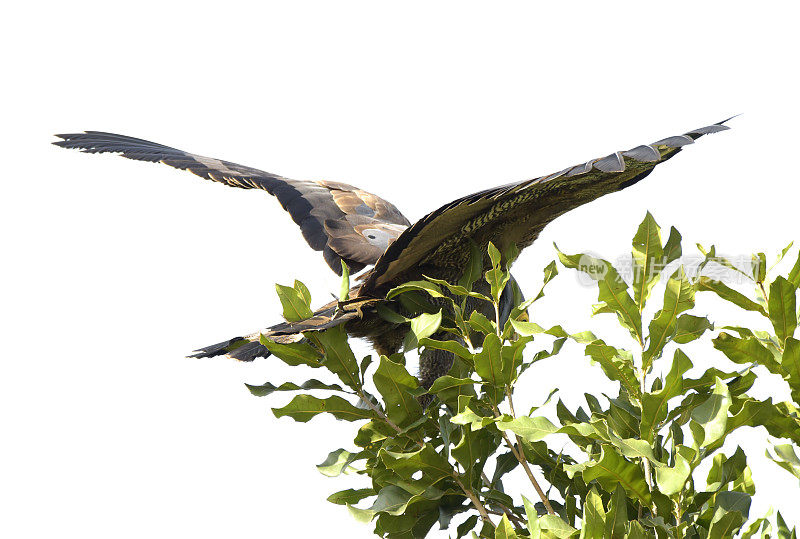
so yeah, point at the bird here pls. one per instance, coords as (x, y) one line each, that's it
(358, 229)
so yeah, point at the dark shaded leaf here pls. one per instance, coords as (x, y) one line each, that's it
(339, 358)
(304, 407)
(654, 405)
(690, 328)
(396, 386)
(350, 496)
(612, 470)
(299, 353)
(616, 363)
(790, 366)
(268, 388)
(744, 351)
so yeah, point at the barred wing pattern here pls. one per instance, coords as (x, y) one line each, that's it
(438, 245)
(342, 221)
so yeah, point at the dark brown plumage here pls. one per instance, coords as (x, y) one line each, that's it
(361, 229)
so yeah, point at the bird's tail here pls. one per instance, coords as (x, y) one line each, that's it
(249, 347)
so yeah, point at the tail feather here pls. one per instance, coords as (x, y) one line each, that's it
(249, 347)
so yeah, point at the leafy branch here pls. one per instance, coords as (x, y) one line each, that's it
(440, 456)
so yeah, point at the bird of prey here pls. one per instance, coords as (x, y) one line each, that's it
(361, 229)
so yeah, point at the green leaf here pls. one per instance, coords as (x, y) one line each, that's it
(762, 523)
(730, 513)
(678, 297)
(672, 249)
(303, 407)
(396, 386)
(786, 458)
(554, 526)
(612, 470)
(616, 363)
(299, 353)
(449, 346)
(759, 267)
(744, 351)
(783, 529)
(526, 329)
(729, 294)
(505, 530)
(433, 467)
(670, 480)
(339, 358)
(456, 289)
(465, 527)
(303, 291)
(350, 496)
(391, 316)
(712, 415)
(448, 382)
(472, 451)
(654, 405)
(268, 388)
(790, 366)
(782, 308)
(647, 259)
(531, 429)
(690, 328)
(794, 273)
(338, 462)
(425, 325)
(489, 362)
(612, 290)
(294, 303)
(497, 279)
(617, 515)
(505, 463)
(594, 516)
(494, 255)
(421, 286)
(391, 499)
(473, 270)
(636, 531)
(726, 470)
(480, 323)
(781, 255)
(344, 289)
(550, 272)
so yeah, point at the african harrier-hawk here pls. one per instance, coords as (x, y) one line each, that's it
(361, 229)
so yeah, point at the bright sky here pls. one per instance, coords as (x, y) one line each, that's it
(115, 269)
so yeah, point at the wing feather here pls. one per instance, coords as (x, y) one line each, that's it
(438, 245)
(310, 203)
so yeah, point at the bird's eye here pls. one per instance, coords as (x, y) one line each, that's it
(370, 236)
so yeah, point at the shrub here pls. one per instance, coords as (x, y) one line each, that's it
(640, 449)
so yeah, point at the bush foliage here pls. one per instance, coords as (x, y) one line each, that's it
(639, 449)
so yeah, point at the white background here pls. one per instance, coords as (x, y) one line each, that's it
(113, 270)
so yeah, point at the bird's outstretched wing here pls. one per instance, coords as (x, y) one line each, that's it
(438, 245)
(342, 221)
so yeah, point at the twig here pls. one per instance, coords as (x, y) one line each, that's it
(475, 501)
(511, 516)
(648, 473)
(520, 456)
(471, 495)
